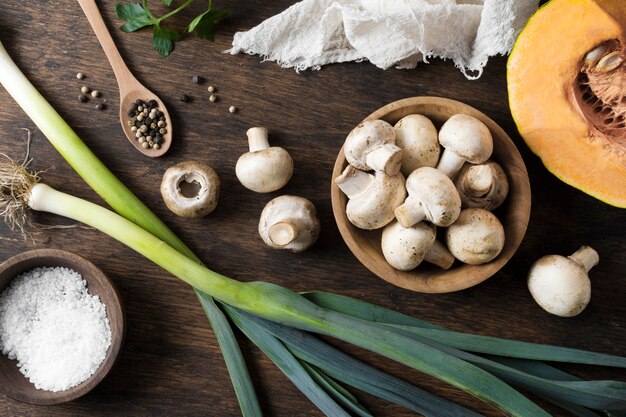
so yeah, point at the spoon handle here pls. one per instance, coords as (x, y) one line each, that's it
(122, 73)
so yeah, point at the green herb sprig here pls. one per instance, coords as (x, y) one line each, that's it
(139, 15)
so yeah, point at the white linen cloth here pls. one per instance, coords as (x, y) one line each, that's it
(388, 33)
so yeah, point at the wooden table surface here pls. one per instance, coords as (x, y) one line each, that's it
(171, 364)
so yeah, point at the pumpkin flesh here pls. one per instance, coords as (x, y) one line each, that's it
(570, 110)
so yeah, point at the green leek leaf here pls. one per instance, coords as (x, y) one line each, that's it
(235, 363)
(360, 375)
(336, 391)
(289, 365)
(467, 342)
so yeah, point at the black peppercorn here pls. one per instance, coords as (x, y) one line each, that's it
(196, 79)
(159, 114)
(157, 139)
(82, 98)
(131, 113)
(100, 106)
(184, 98)
(152, 104)
(139, 102)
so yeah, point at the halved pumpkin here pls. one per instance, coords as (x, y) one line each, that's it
(567, 91)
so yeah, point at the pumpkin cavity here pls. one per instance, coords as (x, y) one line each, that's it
(601, 92)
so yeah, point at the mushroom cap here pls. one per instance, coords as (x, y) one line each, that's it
(190, 189)
(367, 136)
(437, 195)
(265, 170)
(493, 197)
(417, 137)
(299, 218)
(405, 248)
(468, 137)
(374, 208)
(559, 285)
(476, 237)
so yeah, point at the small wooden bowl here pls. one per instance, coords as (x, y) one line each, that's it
(15, 385)
(514, 213)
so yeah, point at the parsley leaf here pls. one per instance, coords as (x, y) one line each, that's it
(135, 15)
(163, 39)
(139, 15)
(204, 24)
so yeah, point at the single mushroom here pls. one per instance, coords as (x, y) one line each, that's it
(406, 248)
(482, 186)
(561, 285)
(432, 196)
(417, 137)
(372, 197)
(263, 169)
(289, 222)
(190, 189)
(371, 146)
(465, 138)
(476, 237)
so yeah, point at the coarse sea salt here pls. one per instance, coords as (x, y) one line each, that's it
(57, 331)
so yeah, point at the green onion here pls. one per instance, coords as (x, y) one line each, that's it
(150, 237)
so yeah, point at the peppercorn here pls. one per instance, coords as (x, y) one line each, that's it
(156, 146)
(211, 89)
(145, 145)
(95, 94)
(100, 106)
(161, 123)
(212, 98)
(162, 131)
(196, 79)
(232, 109)
(158, 139)
(131, 113)
(84, 89)
(184, 98)
(80, 75)
(152, 104)
(82, 98)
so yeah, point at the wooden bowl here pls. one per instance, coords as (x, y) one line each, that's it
(15, 385)
(514, 213)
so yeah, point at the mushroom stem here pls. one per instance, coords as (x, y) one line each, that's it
(410, 212)
(386, 158)
(450, 163)
(257, 138)
(354, 182)
(439, 255)
(283, 233)
(478, 180)
(586, 256)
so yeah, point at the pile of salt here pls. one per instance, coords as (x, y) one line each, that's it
(56, 330)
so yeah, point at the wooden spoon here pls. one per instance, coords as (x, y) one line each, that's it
(130, 89)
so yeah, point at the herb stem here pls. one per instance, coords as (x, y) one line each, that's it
(173, 12)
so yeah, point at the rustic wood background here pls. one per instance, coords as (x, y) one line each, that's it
(171, 364)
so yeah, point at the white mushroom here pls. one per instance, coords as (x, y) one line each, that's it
(561, 285)
(406, 248)
(476, 237)
(465, 138)
(417, 137)
(432, 196)
(372, 198)
(371, 146)
(263, 169)
(482, 186)
(190, 189)
(289, 222)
